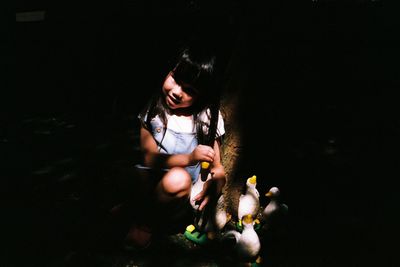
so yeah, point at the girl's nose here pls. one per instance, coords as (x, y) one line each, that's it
(177, 92)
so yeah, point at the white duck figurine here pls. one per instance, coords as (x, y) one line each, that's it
(221, 214)
(247, 245)
(273, 208)
(249, 203)
(212, 219)
(198, 185)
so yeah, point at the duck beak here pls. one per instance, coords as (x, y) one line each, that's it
(247, 218)
(268, 194)
(253, 179)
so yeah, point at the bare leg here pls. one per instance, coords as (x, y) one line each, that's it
(171, 197)
(175, 185)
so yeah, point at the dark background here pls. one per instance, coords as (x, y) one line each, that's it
(318, 109)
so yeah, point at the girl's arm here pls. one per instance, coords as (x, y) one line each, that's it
(153, 158)
(217, 169)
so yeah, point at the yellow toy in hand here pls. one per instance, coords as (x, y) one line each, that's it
(205, 165)
(205, 170)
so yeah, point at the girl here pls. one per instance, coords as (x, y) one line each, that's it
(181, 127)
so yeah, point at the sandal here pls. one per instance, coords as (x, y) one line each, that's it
(195, 236)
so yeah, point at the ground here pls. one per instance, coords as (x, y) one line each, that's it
(69, 178)
(63, 175)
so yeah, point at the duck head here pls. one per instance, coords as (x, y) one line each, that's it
(273, 192)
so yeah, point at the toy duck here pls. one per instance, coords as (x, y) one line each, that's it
(249, 203)
(218, 216)
(247, 245)
(198, 185)
(273, 208)
(213, 218)
(196, 189)
(221, 214)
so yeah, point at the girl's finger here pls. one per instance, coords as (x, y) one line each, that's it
(198, 197)
(203, 203)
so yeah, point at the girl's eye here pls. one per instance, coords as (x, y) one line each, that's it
(190, 90)
(185, 87)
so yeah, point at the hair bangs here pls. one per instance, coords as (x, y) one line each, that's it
(187, 73)
(198, 76)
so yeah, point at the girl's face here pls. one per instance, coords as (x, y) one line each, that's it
(178, 95)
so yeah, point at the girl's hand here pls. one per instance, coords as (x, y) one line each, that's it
(202, 153)
(206, 195)
(212, 188)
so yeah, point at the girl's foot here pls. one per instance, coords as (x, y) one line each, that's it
(139, 237)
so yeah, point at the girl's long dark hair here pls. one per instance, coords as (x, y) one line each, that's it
(196, 65)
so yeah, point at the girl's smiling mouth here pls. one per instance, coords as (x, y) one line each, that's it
(173, 100)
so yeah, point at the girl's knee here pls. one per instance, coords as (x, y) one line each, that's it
(177, 182)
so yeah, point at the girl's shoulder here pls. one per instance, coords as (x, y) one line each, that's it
(205, 116)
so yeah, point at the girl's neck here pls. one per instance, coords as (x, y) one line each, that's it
(181, 112)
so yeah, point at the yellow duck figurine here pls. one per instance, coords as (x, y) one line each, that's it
(247, 246)
(249, 203)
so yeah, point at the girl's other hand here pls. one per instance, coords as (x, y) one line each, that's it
(205, 195)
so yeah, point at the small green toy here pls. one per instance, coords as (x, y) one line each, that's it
(195, 236)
